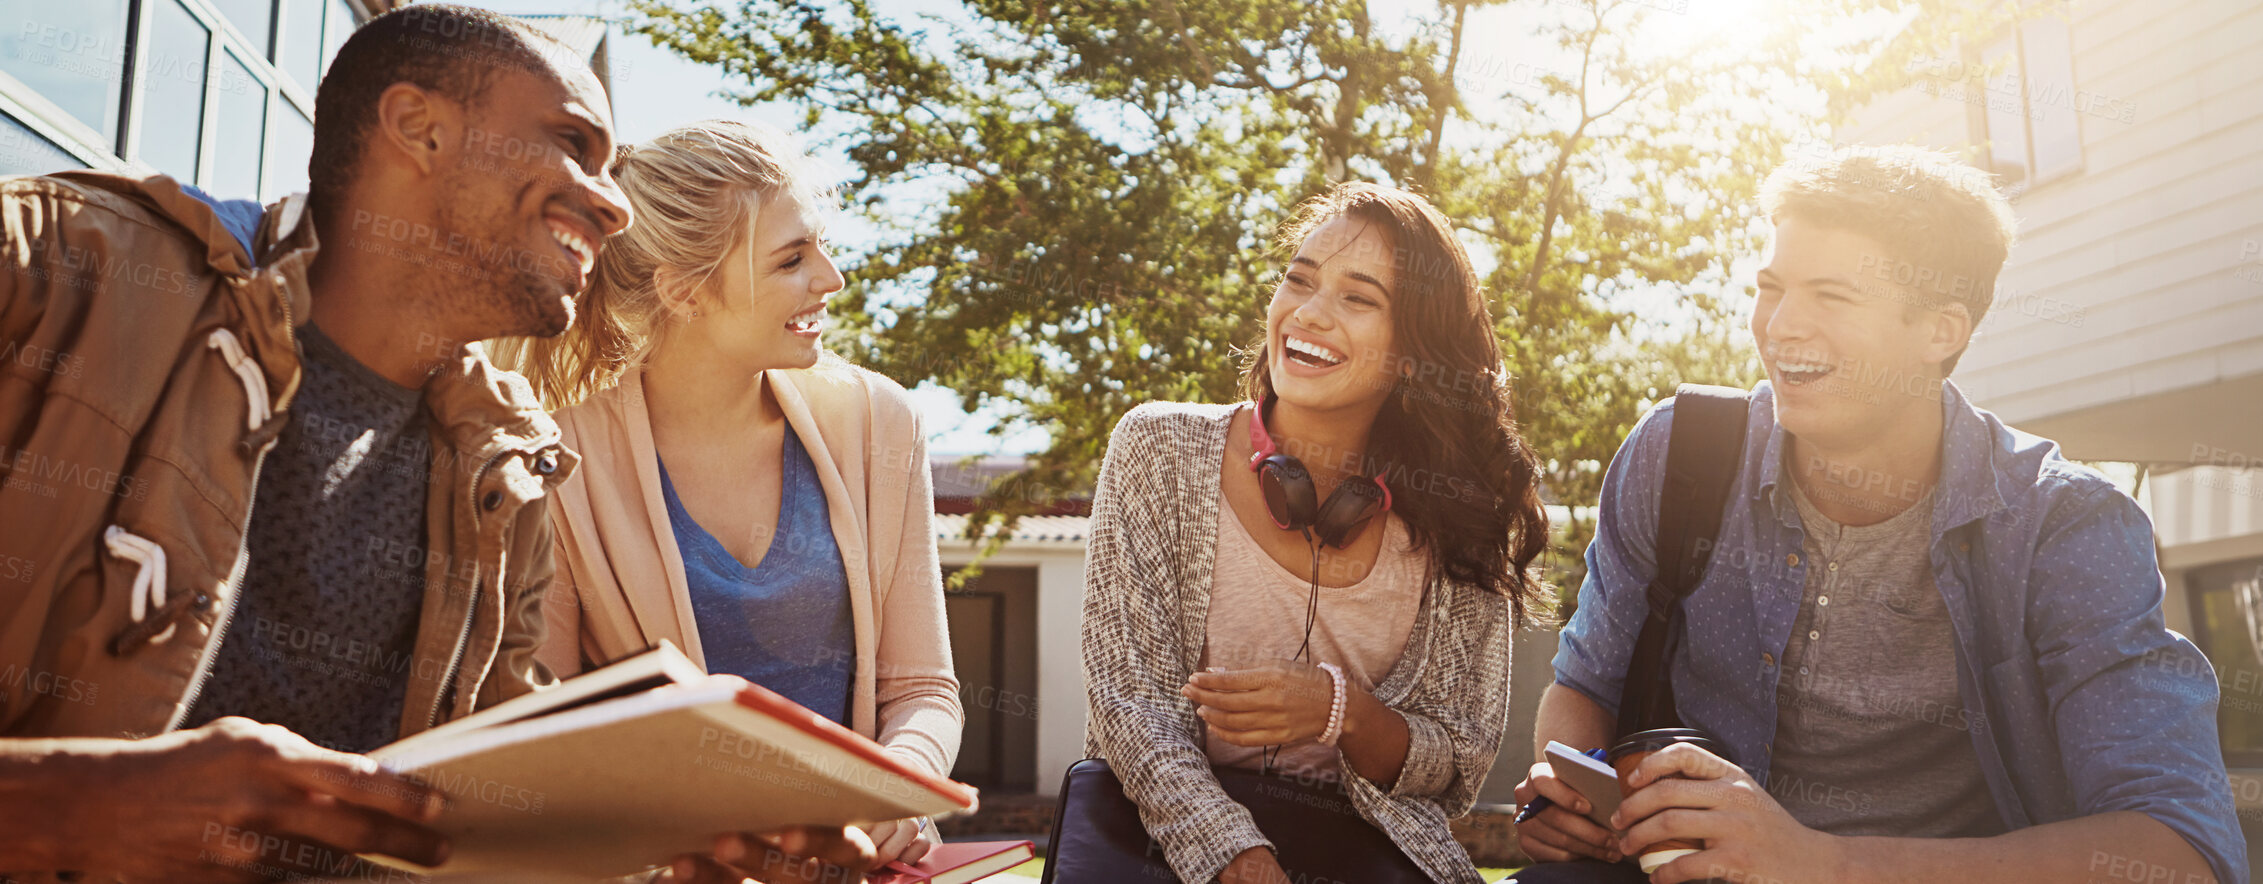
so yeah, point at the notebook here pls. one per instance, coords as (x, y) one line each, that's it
(626, 767)
(957, 863)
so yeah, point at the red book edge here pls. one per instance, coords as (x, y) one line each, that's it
(904, 873)
(763, 700)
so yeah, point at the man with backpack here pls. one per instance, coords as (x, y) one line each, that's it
(1927, 644)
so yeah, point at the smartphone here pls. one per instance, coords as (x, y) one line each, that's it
(1589, 777)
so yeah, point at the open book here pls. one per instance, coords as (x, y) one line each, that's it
(623, 768)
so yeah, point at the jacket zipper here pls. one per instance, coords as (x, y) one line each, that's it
(463, 635)
(234, 586)
(455, 658)
(228, 607)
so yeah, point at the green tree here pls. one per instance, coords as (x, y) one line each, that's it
(1096, 185)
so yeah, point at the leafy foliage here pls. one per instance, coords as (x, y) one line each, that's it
(1096, 184)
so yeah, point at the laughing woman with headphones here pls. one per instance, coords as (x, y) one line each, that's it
(1322, 580)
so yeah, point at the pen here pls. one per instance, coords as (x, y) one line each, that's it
(1540, 803)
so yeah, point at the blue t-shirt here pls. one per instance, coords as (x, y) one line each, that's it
(783, 624)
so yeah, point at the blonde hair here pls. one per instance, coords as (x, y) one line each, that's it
(695, 191)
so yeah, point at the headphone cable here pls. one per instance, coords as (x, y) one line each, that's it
(1311, 614)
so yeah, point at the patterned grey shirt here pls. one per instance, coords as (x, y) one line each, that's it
(1146, 600)
(321, 638)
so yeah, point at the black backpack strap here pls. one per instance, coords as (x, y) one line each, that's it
(1703, 453)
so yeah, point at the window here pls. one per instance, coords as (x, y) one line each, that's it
(299, 53)
(2006, 132)
(2227, 615)
(25, 152)
(181, 87)
(255, 19)
(239, 130)
(71, 54)
(172, 92)
(215, 93)
(2047, 56)
(292, 144)
(2028, 121)
(337, 26)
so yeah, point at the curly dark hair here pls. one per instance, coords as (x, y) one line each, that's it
(1446, 441)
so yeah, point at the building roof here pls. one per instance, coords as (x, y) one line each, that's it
(1032, 529)
(959, 480)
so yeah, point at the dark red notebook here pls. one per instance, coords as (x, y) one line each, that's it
(957, 863)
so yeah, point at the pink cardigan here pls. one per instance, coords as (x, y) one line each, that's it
(621, 589)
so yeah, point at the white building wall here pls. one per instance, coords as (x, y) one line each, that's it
(1060, 706)
(2141, 273)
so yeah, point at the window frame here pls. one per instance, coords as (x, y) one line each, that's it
(2197, 587)
(129, 135)
(282, 90)
(64, 129)
(1976, 113)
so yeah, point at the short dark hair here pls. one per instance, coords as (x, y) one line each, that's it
(1934, 214)
(454, 51)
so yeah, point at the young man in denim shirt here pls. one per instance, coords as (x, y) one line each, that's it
(1932, 646)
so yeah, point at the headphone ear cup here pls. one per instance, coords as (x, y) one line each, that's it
(1348, 511)
(1289, 496)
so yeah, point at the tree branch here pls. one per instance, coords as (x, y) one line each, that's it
(1442, 105)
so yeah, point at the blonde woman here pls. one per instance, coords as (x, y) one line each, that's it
(743, 494)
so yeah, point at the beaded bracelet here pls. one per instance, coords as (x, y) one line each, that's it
(1336, 708)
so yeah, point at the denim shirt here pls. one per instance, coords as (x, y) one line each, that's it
(2078, 698)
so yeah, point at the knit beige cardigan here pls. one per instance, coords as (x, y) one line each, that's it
(621, 588)
(1146, 603)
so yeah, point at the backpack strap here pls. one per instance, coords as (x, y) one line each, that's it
(1703, 453)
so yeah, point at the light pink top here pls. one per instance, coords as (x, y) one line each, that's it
(1257, 614)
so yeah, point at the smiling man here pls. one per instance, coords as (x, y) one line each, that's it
(327, 530)
(1933, 646)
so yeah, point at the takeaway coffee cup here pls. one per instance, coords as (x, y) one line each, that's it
(1643, 744)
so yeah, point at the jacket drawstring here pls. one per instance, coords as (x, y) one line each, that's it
(248, 372)
(148, 593)
(154, 616)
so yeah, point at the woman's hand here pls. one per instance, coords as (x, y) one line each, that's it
(903, 841)
(1254, 866)
(1274, 704)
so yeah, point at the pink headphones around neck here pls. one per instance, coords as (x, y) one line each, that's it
(1293, 500)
